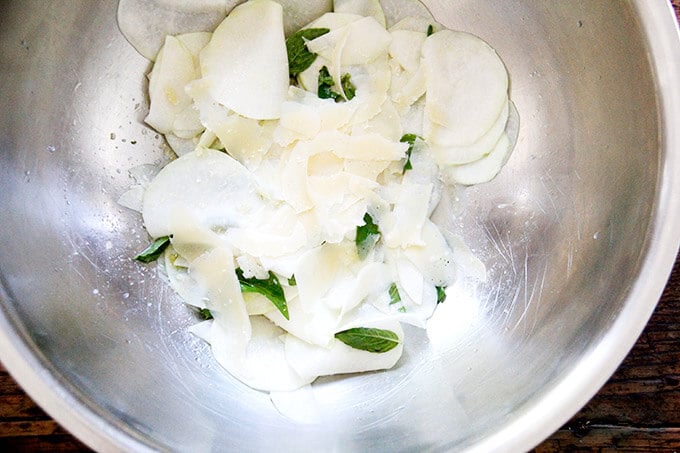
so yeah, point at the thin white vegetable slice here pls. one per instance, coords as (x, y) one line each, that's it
(467, 85)
(348, 292)
(298, 13)
(418, 24)
(180, 146)
(181, 282)
(311, 360)
(206, 185)
(174, 69)
(146, 23)
(435, 259)
(367, 8)
(482, 170)
(333, 21)
(316, 327)
(486, 168)
(215, 272)
(398, 10)
(405, 48)
(468, 266)
(195, 42)
(319, 269)
(361, 42)
(245, 63)
(249, 348)
(445, 153)
(372, 83)
(133, 198)
(264, 365)
(403, 226)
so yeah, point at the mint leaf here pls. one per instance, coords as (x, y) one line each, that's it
(411, 140)
(153, 251)
(205, 314)
(369, 339)
(441, 294)
(395, 297)
(430, 29)
(325, 82)
(367, 236)
(269, 288)
(299, 57)
(291, 281)
(348, 87)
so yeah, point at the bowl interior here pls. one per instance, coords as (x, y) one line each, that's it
(563, 231)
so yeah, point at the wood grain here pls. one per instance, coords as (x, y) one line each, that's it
(638, 410)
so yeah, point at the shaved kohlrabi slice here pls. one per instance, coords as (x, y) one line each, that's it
(146, 23)
(447, 154)
(366, 8)
(467, 85)
(264, 366)
(206, 185)
(311, 360)
(245, 63)
(398, 10)
(174, 69)
(487, 168)
(298, 13)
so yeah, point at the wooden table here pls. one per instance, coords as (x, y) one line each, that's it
(637, 410)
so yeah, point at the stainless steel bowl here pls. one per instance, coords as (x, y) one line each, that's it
(579, 232)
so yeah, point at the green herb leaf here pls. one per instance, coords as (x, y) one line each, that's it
(291, 281)
(395, 297)
(153, 251)
(325, 83)
(369, 339)
(430, 29)
(411, 140)
(441, 294)
(299, 56)
(205, 314)
(269, 288)
(348, 87)
(367, 236)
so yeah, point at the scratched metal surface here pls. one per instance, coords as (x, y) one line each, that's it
(570, 232)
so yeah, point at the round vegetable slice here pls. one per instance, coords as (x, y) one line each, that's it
(447, 154)
(246, 63)
(206, 185)
(467, 85)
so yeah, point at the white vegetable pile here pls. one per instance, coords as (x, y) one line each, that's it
(274, 182)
